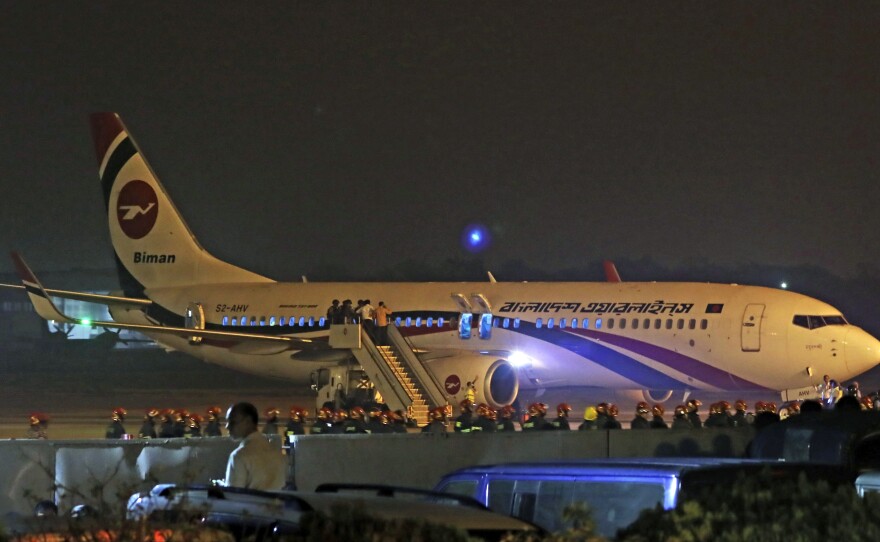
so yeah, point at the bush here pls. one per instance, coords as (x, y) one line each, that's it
(761, 508)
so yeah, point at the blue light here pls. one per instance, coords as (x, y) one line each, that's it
(476, 238)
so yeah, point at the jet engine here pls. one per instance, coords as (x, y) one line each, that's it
(495, 380)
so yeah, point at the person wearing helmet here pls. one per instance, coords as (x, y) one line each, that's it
(340, 417)
(590, 417)
(561, 421)
(179, 418)
(323, 422)
(212, 428)
(485, 422)
(765, 414)
(398, 420)
(438, 421)
(693, 413)
(166, 428)
(148, 427)
(505, 419)
(296, 422)
(612, 422)
(640, 421)
(39, 423)
(537, 421)
(718, 415)
(465, 421)
(601, 415)
(356, 423)
(739, 415)
(271, 425)
(657, 421)
(116, 429)
(680, 418)
(193, 426)
(374, 420)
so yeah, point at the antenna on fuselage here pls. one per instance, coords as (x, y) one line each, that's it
(491, 277)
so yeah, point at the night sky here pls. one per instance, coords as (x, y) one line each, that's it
(305, 135)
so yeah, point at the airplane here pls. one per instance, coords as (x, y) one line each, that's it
(515, 340)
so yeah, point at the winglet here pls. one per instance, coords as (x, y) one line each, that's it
(491, 276)
(39, 298)
(611, 274)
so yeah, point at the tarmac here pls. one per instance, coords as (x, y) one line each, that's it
(79, 390)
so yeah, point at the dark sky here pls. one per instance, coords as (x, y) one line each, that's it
(295, 136)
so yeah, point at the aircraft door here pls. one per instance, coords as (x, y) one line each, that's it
(485, 327)
(195, 319)
(751, 327)
(465, 321)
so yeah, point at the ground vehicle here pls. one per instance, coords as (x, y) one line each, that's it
(262, 514)
(617, 490)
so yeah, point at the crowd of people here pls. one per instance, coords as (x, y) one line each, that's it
(373, 417)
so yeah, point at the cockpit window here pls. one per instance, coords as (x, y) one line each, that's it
(814, 321)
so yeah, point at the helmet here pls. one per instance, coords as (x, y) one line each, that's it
(724, 405)
(562, 409)
(213, 411)
(657, 410)
(715, 408)
(867, 403)
(642, 408)
(438, 413)
(340, 415)
(195, 421)
(375, 412)
(760, 406)
(590, 414)
(357, 413)
(384, 417)
(542, 408)
(693, 405)
(771, 406)
(612, 410)
(602, 408)
(680, 411)
(37, 418)
(506, 412)
(272, 412)
(151, 413)
(119, 414)
(795, 407)
(466, 405)
(490, 413)
(740, 405)
(325, 413)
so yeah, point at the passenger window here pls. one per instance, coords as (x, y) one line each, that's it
(692, 324)
(397, 321)
(271, 320)
(538, 323)
(574, 323)
(598, 323)
(225, 320)
(282, 320)
(623, 323)
(302, 321)
(506, 323)
(321, 322)
(262, 320)
(647, 323)
(562, 323)
(550, 323)
(408, 321)
(585, 324)
(234, 321)
(681, 323)
(496, 322)
(419, 321)
(516, 323)
(657, 323)
(611, 323)
(440, 322)
(253, 320)
(669, 323)
(635, 323)
(311, 321)
(704, 323)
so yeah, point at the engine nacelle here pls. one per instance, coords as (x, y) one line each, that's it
(497, 382)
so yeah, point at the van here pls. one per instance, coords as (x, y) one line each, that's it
(616, 490)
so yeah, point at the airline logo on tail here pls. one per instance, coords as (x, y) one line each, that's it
(137, 208)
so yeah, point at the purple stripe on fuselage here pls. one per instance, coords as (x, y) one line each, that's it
(679, 362)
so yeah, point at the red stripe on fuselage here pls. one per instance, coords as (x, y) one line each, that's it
(105, 128)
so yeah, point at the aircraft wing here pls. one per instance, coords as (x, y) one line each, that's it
(46, 308)
(114, 300)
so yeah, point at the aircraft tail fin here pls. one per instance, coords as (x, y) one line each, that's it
(153, 245)
(611, 274)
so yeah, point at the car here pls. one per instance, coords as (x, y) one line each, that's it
(265, 514)
(616, 490)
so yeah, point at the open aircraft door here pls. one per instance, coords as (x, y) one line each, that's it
(485, 324)
(751, 327)
(195, 319)
(466, 316)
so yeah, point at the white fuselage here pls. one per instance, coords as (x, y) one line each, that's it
(656, 336)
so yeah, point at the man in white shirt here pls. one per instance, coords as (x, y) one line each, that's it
(255, 464)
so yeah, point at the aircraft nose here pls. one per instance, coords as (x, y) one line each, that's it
(862, 350)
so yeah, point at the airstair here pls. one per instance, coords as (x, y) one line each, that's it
(394, 371)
